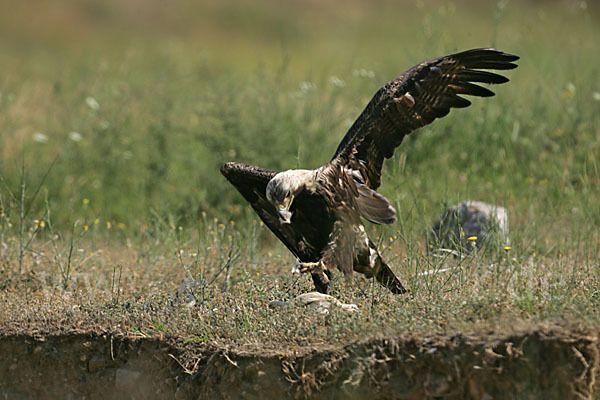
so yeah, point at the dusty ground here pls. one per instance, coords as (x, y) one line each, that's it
(526, 329)
(535, 363)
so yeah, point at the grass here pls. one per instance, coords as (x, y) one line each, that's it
(138, 116)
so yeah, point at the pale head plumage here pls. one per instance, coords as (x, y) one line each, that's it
(284, 186)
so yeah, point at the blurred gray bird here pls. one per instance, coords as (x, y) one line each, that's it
(469, 224)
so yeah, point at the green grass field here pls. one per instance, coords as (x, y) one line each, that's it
(114, 119)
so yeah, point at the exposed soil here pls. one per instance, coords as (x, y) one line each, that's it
(548, 363)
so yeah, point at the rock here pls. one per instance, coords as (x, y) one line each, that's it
(277, 304)
(469, 219)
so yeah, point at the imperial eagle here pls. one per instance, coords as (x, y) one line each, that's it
(318, 213)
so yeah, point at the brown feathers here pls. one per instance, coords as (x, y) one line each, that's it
(414, 99)
(324, 207)
(374, 207)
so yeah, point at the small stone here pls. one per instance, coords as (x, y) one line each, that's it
(277, 304)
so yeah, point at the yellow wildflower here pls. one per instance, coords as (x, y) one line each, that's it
(507, 248)
(472, 238)
(85, 228)
(85, 202)
(569, 91)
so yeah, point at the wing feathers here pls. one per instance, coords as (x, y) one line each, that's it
(474, 57)
(470, 89)
(451, 100)
(493, 65)
(307, 235)
(374, 207)
(247, 178)
(414, 99)
(479, 76)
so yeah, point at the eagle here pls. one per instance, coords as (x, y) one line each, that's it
(318, 213)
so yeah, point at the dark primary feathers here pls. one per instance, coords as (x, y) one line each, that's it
(307, 234)
(414, 99)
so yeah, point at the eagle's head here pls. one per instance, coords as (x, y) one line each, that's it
(286, 185)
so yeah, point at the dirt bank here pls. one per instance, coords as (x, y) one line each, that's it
(542, 363)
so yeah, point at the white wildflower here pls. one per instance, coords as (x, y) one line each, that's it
(336, 81)
(306, 86)
(364, 73)
(75, 136)
(92, 103)
(40, 137)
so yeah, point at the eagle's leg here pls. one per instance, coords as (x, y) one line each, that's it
(321, 280)
(372, 265)
(311, 267)
(319, 273)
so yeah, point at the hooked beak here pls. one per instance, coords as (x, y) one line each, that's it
(285, 215)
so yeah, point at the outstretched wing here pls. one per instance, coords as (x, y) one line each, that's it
(414, 99)
(307, 234)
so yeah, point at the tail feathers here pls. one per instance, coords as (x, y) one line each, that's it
(387, 278)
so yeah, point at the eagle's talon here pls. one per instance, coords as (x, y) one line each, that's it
(304, 267)
(296, 267)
